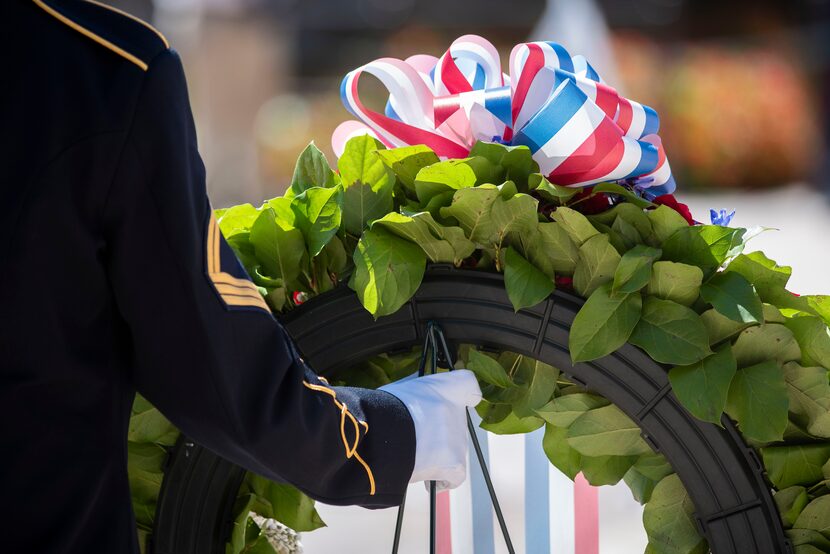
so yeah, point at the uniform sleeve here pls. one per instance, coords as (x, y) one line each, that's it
(205, 349)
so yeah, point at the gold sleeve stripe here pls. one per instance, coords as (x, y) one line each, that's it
(214, 264)
(134, 18)
(351, 452)
(245, 301)
(228, 279)
(234, 291)
(86, 32)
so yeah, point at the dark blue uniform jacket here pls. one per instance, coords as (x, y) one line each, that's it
(114, 279)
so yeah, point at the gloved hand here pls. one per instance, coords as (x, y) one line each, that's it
(438, 404)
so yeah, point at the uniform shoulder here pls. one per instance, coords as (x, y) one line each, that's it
(123, 34)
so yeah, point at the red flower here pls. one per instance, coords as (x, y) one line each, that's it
(670, 201)
(563, 281)
(299, 297)
(588, 203)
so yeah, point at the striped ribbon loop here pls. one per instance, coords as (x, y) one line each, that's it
(579, 129)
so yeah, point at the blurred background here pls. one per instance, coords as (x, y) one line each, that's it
(742, 88)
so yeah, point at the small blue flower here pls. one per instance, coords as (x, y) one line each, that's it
(721, 217)
(500, 140)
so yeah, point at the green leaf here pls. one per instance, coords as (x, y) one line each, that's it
(516, 161)
(720, 327)
(790, 502)
(317, 213)
(758, 401)
(627, 213)
(471, 207)
(368, 184)
(768, 277)
(770, 341)
(598, 261)
(443, 176)
(241, 245)
(813, 336)
(513, 424)
(795, 464)
(606, 470)
(148, 425)
(676, 282)
(541, 386)
(334, 254)
(508, 190)
(236, 219)
(606, 431)
(603, 324)
(484, 170)
(488, 370)
(285, 216)
(809, 398)
(526, 285)
(549, 191)
(312, 170)
(821, 305)
(644, 475)
(703, 387)
(423, 230)
(807, 541)
(561, 455)
(705, 246)
(284, 503)
(244, 530)
(407, 161)
(664, 222)
(671, 333)
(733, 296)
(492, 412)
(388, 271)
(434, 207)
(816, 516)
(145, 464)
(515, 216)
(628, 234)
(634, 269)
(632, 198)
(278, 250)
(669, 520)
(144, 534)
(575, 224)
(773, 314)
(564, 410)
(597, 470)
(549, 248)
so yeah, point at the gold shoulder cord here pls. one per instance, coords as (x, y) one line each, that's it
(97, 38)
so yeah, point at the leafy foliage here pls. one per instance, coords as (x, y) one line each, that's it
(737, 343)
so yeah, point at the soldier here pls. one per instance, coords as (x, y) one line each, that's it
(115, 278)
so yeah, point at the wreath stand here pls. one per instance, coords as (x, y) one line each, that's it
(436, 349)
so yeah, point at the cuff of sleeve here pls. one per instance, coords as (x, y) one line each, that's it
(388, 446)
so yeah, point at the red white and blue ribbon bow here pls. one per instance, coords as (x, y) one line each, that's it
(578, 128)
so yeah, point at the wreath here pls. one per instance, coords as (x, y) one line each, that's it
(736, 343)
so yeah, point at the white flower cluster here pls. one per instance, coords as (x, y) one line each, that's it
(284, 539)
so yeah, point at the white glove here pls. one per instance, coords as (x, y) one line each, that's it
(438, 406)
